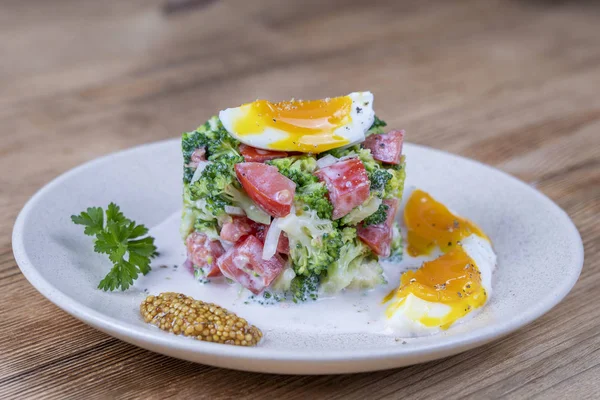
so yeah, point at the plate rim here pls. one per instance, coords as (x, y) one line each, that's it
(131, 333)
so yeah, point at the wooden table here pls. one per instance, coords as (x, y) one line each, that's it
(515, 84)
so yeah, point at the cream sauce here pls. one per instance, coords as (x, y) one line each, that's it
(346, 312)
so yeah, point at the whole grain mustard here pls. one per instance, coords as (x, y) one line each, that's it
(182, 315)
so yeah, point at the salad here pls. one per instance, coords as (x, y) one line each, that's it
(297, 197)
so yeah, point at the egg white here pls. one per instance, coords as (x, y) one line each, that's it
(362, 117)
(405, 320)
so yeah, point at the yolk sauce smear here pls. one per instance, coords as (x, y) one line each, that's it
(452, 279)
(430, 224)
(309, 125)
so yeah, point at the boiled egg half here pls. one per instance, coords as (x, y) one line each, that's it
(308, 126)
(445, 289)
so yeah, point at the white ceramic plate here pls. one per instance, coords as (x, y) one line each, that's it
(540, 256)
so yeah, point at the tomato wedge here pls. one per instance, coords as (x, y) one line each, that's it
(379, 237)
(244, 264)
(272, 191)
(237, 228)
(197, 156)
(252, 154)
(347, 183)
(242, 226)
(203, 253)
(386, 147)
(283, 245)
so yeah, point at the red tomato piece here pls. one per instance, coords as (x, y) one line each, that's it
(272, 191)
(261, 232)
(386, 147)
(379, 237)
(228, 265)
(203, 253)
(197, 156)
(283, 245)
(347, 183)
(238, 227)
(244, 264)
(252, 154)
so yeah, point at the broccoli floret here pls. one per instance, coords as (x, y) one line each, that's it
(209, 228)
(355, 267)
(395, 186)
(367, 274)
(370, 206)
(298, 168)
(195, 209)
(218, 185)
(367, 159)
(314, 197)
(188, 219)
(377, 127)
(379, 175)
(190, 141)
(310, 193)
(211, 185)
(214, 138)
(204, 211)
(303, 288)
(222, 146)
(386, 180)
(318, 256)
(314, 242)
(348, 235)
(396, 247)
(215, 177)
(342, 151)
(378, 216)
(364, 155)
(284, 281)
(282, 164)
(379, 178)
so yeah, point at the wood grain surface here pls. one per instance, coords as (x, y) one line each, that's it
(512, 83)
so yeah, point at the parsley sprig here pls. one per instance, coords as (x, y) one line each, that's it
(122, 239)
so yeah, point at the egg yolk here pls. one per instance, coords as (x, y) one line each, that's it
(452, 279)
(309, 125)
(430, 224)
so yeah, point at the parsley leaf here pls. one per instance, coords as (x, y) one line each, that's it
(93, 220)
(122, 240)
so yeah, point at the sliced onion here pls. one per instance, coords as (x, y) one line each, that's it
(201, 166)
(256, 214)
(271, 240)
(232, 210)
(226, 245)
(349, 156)
(326, 161)
(363, 211)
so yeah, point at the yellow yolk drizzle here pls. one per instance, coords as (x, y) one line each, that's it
(430, 224)
(452, 279)
(309, 125)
